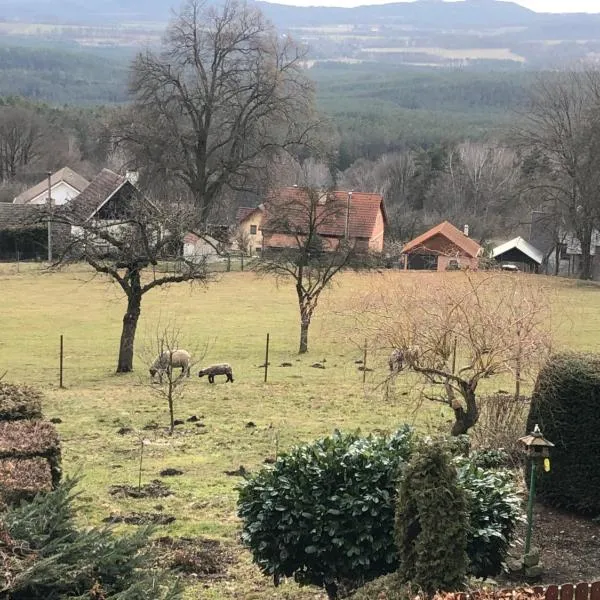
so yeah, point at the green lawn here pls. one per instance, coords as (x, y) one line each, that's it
(232, 315)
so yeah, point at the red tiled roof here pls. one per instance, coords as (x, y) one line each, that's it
(243, 212)
(287, 208)
(452, 234)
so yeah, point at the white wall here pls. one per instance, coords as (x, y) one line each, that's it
(61, 193)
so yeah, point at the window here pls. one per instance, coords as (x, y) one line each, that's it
(252, 229)
(562, 251)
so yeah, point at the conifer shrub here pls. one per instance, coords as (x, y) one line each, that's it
(432, 522)
(44, 555)
(565, 404)
(19, 402)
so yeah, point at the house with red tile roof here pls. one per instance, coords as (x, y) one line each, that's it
(339, 215)
(248, 234)
(442, 248)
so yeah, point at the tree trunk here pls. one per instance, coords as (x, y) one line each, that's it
(465, 419)
(130, 321)
(585, 241)
(304, 325)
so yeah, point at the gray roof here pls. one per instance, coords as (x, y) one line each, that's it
(20, 216)
(523, 246)
(96, 194)
(65, 174)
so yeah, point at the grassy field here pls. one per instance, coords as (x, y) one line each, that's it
(232, 316)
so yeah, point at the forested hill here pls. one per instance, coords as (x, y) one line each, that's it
(62, 76)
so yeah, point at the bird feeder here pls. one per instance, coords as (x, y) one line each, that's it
(536, 445)
(537, 448)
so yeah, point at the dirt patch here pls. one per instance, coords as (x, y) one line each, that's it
(201, 558)
(240, 472)
(569, 547)
(154, 489)
(136, 518)
(170, 472)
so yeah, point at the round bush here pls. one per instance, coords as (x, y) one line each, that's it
(432, 522)
(565, 405)
(324, 513)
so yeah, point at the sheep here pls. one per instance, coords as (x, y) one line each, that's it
(179, 359)
(401, 356)
(221, 369)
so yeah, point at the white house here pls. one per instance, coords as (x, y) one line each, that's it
(65, 184)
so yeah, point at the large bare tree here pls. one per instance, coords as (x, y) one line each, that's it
(131, 242)
(296, 223)
(223, 96)
(561, 139)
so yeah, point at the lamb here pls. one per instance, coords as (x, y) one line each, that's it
(221, 369)
(178, 359)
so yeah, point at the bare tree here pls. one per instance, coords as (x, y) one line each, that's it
(171, 383)
(20, 134)
(478, 185)
(561, 137)
(296, 225)
(454, 333)
(123, 242)
(224, 95)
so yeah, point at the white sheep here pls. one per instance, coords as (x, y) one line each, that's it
(178, 359)
(221, 369)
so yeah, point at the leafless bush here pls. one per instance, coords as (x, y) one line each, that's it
(502, 421)
(170, 385)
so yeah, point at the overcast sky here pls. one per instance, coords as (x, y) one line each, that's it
(537, 5)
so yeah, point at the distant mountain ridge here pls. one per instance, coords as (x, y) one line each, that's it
(422, 13)
(436, 12)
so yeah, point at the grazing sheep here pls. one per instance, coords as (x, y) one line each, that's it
(222, 369)
(401, 356)
(178, 359)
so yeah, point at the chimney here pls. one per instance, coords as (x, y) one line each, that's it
(466, 230)
(348, 215)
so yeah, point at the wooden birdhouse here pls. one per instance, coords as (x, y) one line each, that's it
(536, 445)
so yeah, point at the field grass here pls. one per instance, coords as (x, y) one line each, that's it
(232, 315)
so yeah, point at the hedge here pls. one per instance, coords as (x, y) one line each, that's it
(566, 406)
(19, 402)
(23, 478)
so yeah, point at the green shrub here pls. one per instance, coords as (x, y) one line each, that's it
(324, 513)
(19, 402)
(432, 522)
(336, 498)
(489, 458)
(386, 587)
(494, 512)
(565, 404)
(44, 556)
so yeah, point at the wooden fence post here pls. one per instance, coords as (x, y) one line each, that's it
(365, 363)
(267, 359)
(61, 363)
(242, 258)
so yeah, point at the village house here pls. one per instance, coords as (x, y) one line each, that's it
(248, 232)
(340, 215)
(560, 247)
(65, 185)
(518, 253)
(442, 248)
